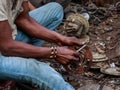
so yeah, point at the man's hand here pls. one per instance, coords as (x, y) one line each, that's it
(65, 55)
(73, 41)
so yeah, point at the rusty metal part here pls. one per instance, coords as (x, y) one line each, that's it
(84, 63)
(97, 14)
(98, 11)
(91, 7)
(76, 25)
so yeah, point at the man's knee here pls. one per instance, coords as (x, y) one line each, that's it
(56, 7)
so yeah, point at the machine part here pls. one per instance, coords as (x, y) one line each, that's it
(99, 60)
(84, 63)
(76, 25)
(99, 57)
(92, 8)
(111, 71)
(81, 48)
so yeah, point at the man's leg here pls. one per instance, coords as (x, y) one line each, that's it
(30, 70)
(49, 15)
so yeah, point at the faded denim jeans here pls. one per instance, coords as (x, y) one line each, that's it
(29, 69)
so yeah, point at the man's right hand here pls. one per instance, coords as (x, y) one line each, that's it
(65, 55)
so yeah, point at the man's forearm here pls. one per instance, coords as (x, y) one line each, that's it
(31, 27)
(10, 47)
(20, 49)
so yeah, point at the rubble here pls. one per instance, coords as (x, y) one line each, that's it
(104, 43)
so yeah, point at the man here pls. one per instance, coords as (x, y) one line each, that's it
(20, 46)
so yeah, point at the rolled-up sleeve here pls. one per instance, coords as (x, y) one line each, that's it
(3, 12)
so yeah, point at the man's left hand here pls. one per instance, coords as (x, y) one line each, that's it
(70, 41)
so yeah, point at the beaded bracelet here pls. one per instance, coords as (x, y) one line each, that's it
(53, 52)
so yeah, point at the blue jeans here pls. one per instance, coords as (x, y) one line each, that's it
(29, 69)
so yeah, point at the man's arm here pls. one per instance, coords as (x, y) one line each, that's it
(32, 28)
(10, 47)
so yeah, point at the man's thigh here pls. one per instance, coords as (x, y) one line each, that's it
(23, 37)
(49, 15)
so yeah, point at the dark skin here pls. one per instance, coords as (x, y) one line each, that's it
(10, 47)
